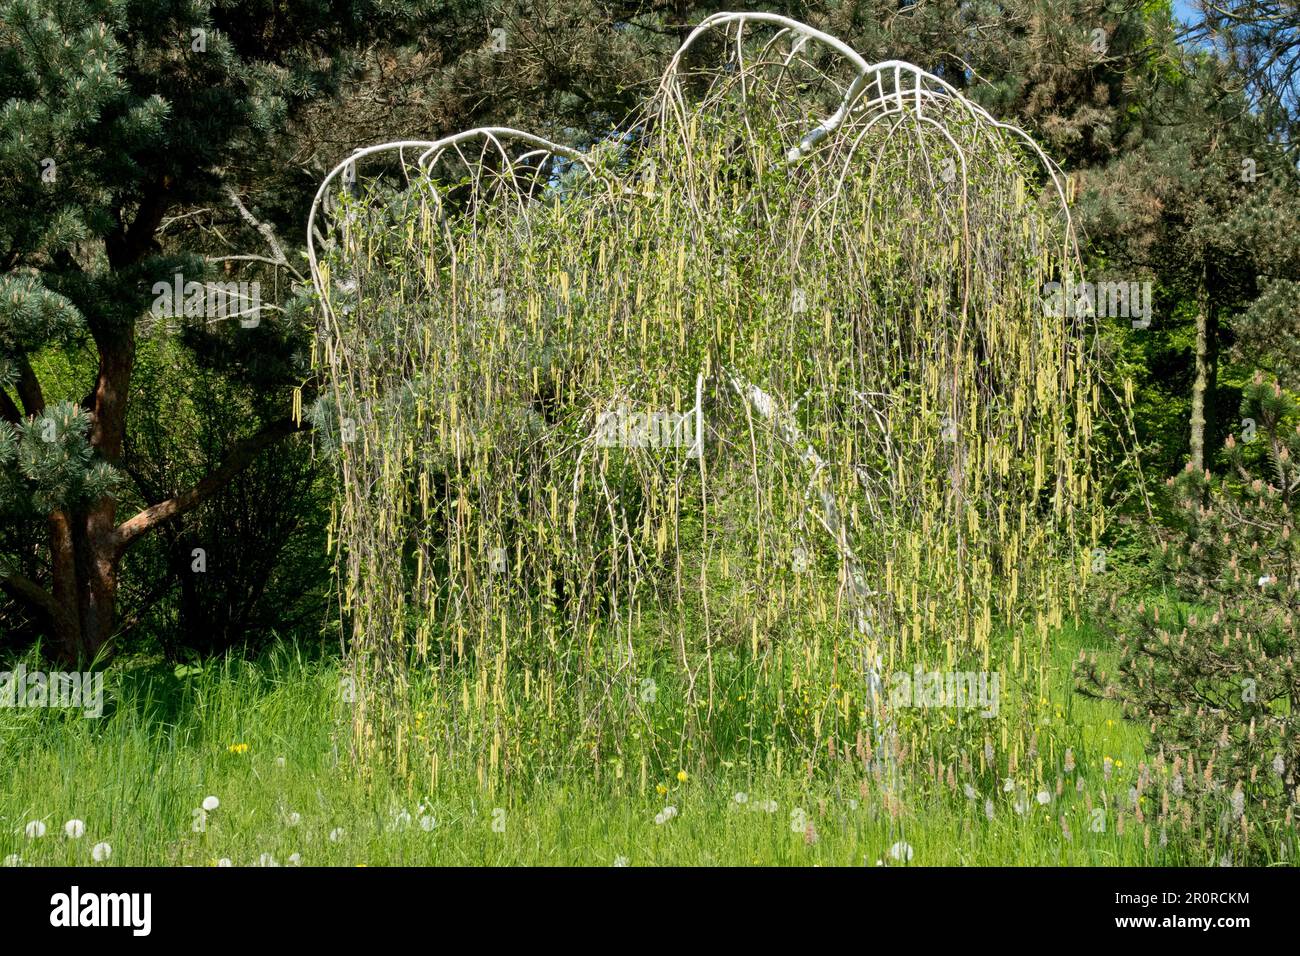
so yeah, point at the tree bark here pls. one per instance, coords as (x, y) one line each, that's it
(1203, 385)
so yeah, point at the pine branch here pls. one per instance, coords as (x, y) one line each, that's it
(29, 388)
(27, 591)
(239, 457)
(8, 410)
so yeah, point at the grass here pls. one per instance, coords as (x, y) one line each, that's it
(267, 739)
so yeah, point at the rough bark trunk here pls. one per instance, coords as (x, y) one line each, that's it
(1204, 383)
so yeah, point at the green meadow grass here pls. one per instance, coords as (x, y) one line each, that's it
(267, 740)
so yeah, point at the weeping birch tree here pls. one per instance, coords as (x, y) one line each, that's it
(762, 389)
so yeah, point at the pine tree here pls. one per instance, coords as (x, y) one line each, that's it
(1198, 206)
(113, 116)
(1213, 674)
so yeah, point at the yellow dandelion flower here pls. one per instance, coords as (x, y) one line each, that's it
(681, 776)
(238, 748)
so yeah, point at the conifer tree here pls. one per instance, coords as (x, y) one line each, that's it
(114, 116)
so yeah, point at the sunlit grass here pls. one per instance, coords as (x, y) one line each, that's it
(269, 740)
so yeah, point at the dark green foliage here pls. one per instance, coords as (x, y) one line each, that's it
(128, 130)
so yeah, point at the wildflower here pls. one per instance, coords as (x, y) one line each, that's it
(428, 823)
(969, 791)
(1021, 805)
(337, 834)
(1044, 797)
(267, 859)
(661, 789)
(901, 850)
(279, 762)
(295, 859)
(35, 829)
(238, 748)
(681, 776)
(988, 809)
(741, 798)
(292, 819)
(74, 829)
(1008, 785)
(224, 861)
(100, 852)
(211, 803)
